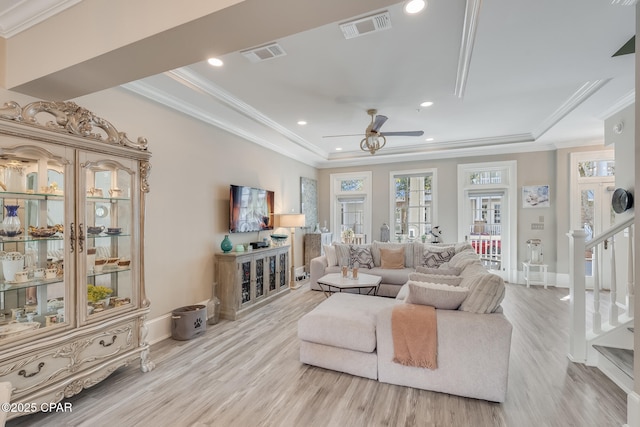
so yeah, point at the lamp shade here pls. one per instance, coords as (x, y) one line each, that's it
(291, 220)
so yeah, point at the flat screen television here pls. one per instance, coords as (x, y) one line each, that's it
(250, 209)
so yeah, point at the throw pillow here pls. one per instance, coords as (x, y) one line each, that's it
(440, 296)
(463, 259)
(433, 256)
(330, 253)
(361, 256)
(408, 252)
(446, 271)
(343, 253)
(392, 258)
(435, 278)
(486, 292)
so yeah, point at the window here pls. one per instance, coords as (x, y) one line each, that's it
(351, 205)
(412, 203)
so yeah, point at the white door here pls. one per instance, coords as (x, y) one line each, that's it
(484, 220)
(596, 216)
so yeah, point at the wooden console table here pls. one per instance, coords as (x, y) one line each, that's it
(248, 280)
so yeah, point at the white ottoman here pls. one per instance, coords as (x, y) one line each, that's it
(340, 334)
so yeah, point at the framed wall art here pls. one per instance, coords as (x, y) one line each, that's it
(535, 196)
(309, 201)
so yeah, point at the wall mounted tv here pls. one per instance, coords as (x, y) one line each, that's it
(250, 209)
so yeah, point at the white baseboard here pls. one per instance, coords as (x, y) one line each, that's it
(160, 327)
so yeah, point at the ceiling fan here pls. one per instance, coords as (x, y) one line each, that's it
(374, 139)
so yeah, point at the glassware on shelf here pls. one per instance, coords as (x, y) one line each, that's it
(15, 177)
(11, 222)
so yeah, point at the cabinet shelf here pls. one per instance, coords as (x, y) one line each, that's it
(12, 286)
(31, 196)
(24, 239)
(108, 270)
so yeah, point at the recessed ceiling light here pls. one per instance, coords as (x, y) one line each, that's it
(216, 62)
(426, 104)
(339, 149)
(302, 122)
(414, 6)
(429, 139)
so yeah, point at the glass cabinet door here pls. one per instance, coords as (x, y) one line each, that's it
(34, 261)
(106, 235)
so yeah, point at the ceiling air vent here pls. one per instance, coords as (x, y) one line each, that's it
(366, 25)
(263, 53)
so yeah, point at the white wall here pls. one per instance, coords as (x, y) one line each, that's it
(192, 166)
(535, 168)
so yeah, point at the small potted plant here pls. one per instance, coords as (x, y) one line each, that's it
(99, 293)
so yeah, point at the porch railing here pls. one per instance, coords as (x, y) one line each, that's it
(620, 307)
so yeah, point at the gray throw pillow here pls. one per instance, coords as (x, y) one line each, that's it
(361, 256)
(434, 258)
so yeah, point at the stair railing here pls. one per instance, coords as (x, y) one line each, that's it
(618, 313)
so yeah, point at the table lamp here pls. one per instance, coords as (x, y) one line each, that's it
(292, 221)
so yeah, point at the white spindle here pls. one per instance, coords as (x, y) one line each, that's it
(613, 310)
(630, 274)
(596, 256)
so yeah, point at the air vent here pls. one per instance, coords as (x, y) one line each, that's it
(366, 25)
(263, 53)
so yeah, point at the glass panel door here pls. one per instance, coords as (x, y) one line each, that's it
(35, 265)
(107, 232)
(485, 227)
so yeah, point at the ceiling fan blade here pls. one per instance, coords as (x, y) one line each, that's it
(341, 136)
(409, 133)
(378, 122)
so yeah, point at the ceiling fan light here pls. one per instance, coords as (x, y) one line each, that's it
(414, 6)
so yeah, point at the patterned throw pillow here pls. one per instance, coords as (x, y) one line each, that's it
(361, 256)
(433, 258)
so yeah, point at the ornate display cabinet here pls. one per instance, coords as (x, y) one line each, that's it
(72, 295)
(248, 280)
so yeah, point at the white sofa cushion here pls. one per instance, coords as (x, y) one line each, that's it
(437, 295)
(391, 277)
(344, 320)
(330, 253)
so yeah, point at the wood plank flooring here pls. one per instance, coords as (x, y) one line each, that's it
(247, 373)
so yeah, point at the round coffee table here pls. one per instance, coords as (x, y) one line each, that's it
(336, 281)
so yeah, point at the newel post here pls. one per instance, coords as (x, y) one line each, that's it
(577, 300)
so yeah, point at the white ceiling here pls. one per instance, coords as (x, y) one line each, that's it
(504, 75)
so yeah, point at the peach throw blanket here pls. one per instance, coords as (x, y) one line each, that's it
(415, 337)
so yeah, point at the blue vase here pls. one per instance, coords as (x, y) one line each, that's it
(226, 244)
(11, 222)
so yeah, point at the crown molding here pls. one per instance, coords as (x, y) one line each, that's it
(578, 97)
(619, 105)
(153, 93)
(25, 14)
(194, 80)
(624, 2)
(469, 27)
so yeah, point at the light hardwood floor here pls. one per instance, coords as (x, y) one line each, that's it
(247, 373)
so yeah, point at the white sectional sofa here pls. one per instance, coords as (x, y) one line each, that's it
(353, 333)
(392, 278)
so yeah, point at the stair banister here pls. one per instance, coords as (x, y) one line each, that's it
(577, 298)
